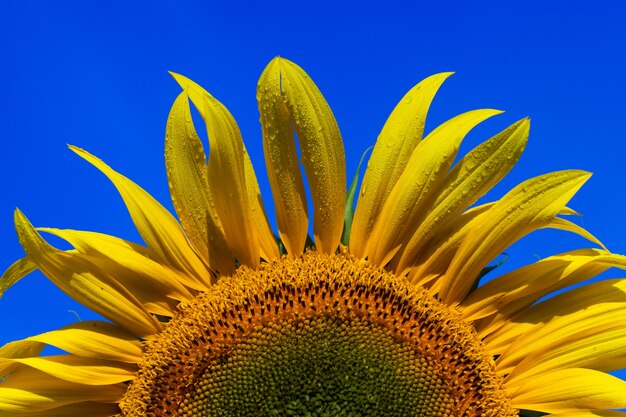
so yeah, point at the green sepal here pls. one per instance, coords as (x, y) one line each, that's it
(531, 413)
(487, 270)
(348, 212)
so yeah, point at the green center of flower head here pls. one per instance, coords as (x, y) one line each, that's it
(323, 366)
(316, 336)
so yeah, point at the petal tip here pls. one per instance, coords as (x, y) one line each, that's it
(76, 149)
(182, 81)
(18, 215)
(524, 124)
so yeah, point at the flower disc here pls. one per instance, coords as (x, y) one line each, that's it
(316, 335)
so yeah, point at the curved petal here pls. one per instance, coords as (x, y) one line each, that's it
(401, 134)
(590, 413)
(74, 274)
(18, 349)
(287, 97)
(281, 159)
(158, 228)
(187, 176)
(18, 270)
(436, 256)
(95, 340)
(227, 176)
(267, 239)
(566, 225)
(568, 390)
(422, 177)
(469, 180)
(527, 207)
(505, 329)
(31, 391)
(517, 290)
(593, 338)
(79, 370)
(86, 408)
(156, 285)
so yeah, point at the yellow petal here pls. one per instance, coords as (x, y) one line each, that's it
(568, 390)
(91, 409)
(508, 328)
(287, 97)
(18, 270)
(567, 211)
(187, 176)
(18, 349)
(96, 340)
(529, 206)
(79, 370)
(281, 159)
(566, 225)
(436, 256)
(518, 289)
(593, 338)
(590, 413)
(267, 240)
(227, 173)
(32, 391)
(79, 278)
(156, 285)
(422, 177)
(395, 144)
(158, 228)
(603, 351)
(469, 180)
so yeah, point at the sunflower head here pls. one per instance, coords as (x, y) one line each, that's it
(381, 312)
(319, 334)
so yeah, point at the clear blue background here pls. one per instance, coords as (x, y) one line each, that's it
(96, 77)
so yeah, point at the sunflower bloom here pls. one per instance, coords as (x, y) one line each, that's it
(379, 313)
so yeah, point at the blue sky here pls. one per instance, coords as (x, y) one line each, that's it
(96, 77)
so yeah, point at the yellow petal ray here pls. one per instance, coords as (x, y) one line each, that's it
(156, 285)
(469, 180)
(267, 240)
(568, 390)
(566, 225)
(424, 172)
(228, 182)
(590, 413)
(518, 289)
(32, 391)
(435, 257)
(158, 228)
(96, 340)
(508, 328)
(80, 370)
(283, 168)
(18, 349)
(91, 409)
(74, 274)
(592, 338)
(527, 207)
(322, 153)
(567, 211)
(227, 173)
(400, 135)
(186, 166)
(288, 97)
(18, 270)
(604, 351)
(439, 252)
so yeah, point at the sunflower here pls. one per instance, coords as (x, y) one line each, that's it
(380, 313)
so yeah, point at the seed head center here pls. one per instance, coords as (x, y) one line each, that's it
(316, 335)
